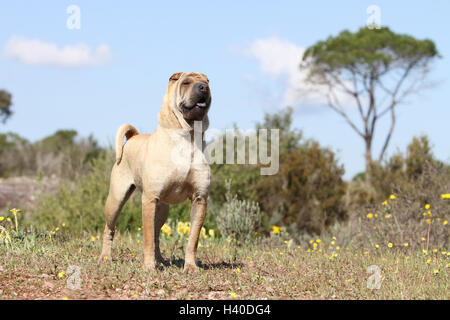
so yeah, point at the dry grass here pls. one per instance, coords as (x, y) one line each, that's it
(34, 266)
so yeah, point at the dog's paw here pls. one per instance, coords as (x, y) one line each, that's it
(149, 266)
(103, 259)
(190, 268)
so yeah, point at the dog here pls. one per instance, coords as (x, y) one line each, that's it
(162, 166)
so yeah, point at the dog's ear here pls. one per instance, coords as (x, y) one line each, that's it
(175, 76)
(206, 78)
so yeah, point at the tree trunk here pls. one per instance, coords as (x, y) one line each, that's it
(368, 157)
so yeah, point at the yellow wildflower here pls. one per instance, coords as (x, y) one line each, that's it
(233, 294)
(15, 211)
(369, 216)
(445, 222)
(61, 274)
(392, 197)
(428, 221)
(2, 218)
(211, 233)
(384, 203)
(406, 244)
(390, 245)
(445, 196)
(166, 229)
(276, 229)
(427, 206)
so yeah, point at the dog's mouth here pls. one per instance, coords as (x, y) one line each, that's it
(194, 111)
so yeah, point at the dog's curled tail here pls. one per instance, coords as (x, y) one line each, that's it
(125, 130)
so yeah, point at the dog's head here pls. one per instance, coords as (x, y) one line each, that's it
(189, 93)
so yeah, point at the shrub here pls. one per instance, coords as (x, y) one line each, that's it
(308, 191)
(238, 219)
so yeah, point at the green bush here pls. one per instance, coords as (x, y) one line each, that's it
(238, 219)
(308, 191)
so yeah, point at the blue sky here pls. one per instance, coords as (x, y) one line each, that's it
(148, 41)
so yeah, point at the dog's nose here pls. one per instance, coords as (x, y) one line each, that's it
(202, 87)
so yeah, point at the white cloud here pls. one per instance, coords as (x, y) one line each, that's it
(281, 59)
(37, 52)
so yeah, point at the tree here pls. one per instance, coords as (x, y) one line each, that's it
(375, 68)
(5, 105)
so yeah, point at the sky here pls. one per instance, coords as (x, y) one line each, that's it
(115, 67)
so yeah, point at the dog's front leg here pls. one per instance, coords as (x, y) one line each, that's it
(149, 204)
(198, 213)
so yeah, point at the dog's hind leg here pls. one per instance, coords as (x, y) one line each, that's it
(162, 212)
(120, 190)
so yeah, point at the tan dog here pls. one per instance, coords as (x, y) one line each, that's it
(168, 166)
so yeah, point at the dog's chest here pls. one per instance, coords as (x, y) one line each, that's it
(188, 171)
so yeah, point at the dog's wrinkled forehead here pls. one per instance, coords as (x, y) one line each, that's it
(192, 75)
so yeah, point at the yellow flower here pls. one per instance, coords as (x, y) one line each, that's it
(276, 229)
(428, 261)
(92, 238)
(65, 298)
(61, 274)
(384, 203)
(445, 196)
(63, 224)
(435, 271)
(392, 197)
(57, 229)
(183, 228)
(406, 244)
(428, 221)
(318, 240)
(376, 215)
(425, 251)
(427, 206)
(369, 216)
(238, 270)
(423, 239)
(15, 211)
(387, 216)
(203, 232)
(434, 250)
(233, 294)
(211, 233)
(8, 219)
(429, 213)
(338, 248)
(445, 222)
(390, 245)
(2, 218)
(166, 229)
(377, 246)
(332, 243)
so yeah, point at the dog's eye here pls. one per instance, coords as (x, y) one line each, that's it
(186, 83)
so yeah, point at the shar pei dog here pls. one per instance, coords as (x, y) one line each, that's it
(168, 166)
